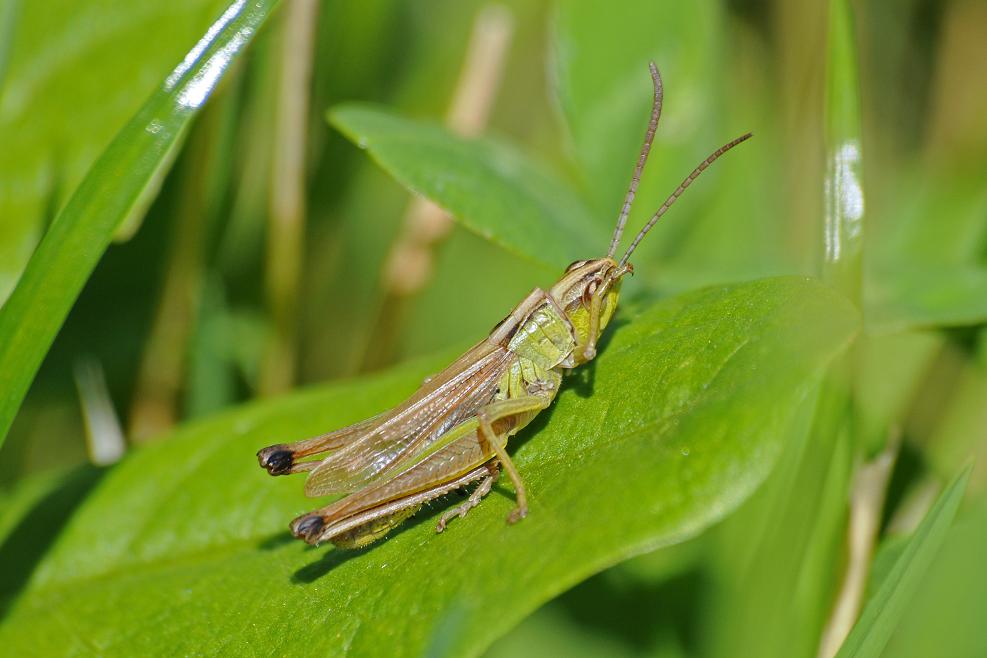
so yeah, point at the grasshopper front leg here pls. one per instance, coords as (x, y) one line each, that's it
(490, 414)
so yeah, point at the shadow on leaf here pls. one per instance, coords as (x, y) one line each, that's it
(29, 541)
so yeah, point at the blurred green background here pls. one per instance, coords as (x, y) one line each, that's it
(278, 255)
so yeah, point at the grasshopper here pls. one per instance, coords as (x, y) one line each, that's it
(453, 431)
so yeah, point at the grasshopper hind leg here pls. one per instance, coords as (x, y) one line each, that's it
(310, 527)
(486, 484)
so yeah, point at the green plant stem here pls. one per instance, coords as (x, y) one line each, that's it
(162, 370)
(843, 218)
(842, 267)
(286, 228)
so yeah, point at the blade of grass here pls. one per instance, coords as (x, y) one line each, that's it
(287, 208)
(774, 558)
(119, 185)
(945, 614)
(885, 608)
(842, 267)
(67, 91)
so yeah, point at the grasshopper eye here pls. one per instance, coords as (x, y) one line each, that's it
(589, 291)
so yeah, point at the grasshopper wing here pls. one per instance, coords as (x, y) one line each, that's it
(443, 402)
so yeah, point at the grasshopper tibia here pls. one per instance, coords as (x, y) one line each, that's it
(278, 459)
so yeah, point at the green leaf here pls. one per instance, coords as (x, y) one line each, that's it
(66, 90)
(489, 187)
(935, 218)
(919, 296)
(677, 421)
(118, 186)
(885, 608)
(31, 517)
(925, 268)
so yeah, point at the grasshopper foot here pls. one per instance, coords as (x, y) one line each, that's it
(517, 514)
(461, 510)
(449, 515)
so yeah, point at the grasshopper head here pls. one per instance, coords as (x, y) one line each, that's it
(589, 288)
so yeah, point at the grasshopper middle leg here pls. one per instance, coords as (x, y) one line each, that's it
(506, 409)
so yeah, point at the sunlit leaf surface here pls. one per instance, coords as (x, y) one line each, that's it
(679, 419)
(490, 187)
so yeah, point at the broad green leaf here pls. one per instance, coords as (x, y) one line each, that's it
(921, 296)
(677, 421)
(65, 90)
(117, 187)
(30, 519)
(935, 218)
(491, 188)
(885, 608)
(925, 265)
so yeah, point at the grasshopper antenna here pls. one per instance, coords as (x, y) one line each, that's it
(636, 178)
(678, 192)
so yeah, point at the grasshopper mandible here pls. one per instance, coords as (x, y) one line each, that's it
(453, 430)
